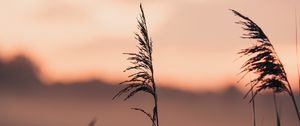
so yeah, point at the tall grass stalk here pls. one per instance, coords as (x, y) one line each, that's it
(297, 50)
(253, 106)
(253, 109)
(143, 78)
(278, 122)
(265, 63)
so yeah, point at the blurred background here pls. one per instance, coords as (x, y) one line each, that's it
(61, 61)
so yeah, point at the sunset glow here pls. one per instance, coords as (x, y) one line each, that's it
(195, 41)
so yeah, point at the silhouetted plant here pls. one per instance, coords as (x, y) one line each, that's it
(253, 108)
(297, 51)
(278, 122)
(93, 122)
(266, 63)
(143, 79)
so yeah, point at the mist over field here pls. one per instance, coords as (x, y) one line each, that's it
(26, 101)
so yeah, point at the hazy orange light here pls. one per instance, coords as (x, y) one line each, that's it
(195, 42)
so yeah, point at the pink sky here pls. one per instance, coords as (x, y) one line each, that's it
(195, 41)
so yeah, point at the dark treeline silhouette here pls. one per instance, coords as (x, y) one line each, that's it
(19, 74)
(79, 97)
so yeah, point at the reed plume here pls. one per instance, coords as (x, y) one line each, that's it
(143, 78)
(264, 62)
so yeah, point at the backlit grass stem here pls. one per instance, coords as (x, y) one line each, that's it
(143, 78)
